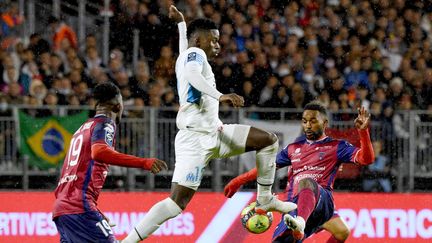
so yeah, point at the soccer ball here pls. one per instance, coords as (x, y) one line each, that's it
(254, 222)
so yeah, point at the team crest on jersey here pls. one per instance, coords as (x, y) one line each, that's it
(109, 134)
(193, 56)
(321, 155)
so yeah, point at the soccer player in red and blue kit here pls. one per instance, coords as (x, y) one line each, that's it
(314, 159)
(85, 168)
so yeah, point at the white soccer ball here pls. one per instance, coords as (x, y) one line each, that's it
(254, 222)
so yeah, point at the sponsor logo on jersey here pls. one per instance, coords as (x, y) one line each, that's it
(67, 178)
(297, 152)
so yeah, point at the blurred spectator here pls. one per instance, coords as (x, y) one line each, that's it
(137, 111)
(268, 90)
(362, 96)
(92, 59)
(12, 75)
(38, 45)
(355, 76)
(357, 52)
(164, 66)
(9, 22)
(51, 100)
(62, 32)
(141, 80)
(14, 94)
(249, 94)
(38, 91)
(376, 177)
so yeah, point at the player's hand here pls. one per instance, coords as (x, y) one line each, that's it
(362, 120)
(158, 166)
(176, 15)
(232, 187)
(233, 99)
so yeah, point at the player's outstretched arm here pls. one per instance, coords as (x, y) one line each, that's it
(178, 17)
(234, 185)
(366, 155)
(103, 153)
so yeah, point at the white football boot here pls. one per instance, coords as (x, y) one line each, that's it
(296, 224)
(274, 204)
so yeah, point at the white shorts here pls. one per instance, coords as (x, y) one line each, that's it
(193, 151)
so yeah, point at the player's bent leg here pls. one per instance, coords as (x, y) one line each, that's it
(161, 212)
(258, 139)
(181, 195)
(266, 145)
(338, 228)
(307, 201)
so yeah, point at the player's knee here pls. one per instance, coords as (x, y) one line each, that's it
(342, 234)
(181, 195)
(308, 183)
(273, 139)
(259, 139)
(182, 203)
(267, 139)
(270, 141)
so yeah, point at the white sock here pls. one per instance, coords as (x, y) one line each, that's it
(158, 214)
(266, 166)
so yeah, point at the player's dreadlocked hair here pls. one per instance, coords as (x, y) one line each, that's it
(200, 24)
(316, 106)
(105, 92)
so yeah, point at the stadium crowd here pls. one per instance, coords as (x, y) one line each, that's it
(345, 53)
(274, 53)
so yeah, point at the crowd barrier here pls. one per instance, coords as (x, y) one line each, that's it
(150, 132)
(210, 217)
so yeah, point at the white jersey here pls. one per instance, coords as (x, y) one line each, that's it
(199, 98)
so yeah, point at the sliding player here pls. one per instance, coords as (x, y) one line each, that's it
(314, 160)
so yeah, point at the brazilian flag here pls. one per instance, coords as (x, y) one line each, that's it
(46, 140)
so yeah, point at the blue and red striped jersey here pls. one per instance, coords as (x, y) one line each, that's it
(319, 160)
(82, 178)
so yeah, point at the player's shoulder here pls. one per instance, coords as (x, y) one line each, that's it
(195, 53)
(345, 143)
(338, 142)
(333, 141)
(103, 120)
(196, 49)
(299, 140)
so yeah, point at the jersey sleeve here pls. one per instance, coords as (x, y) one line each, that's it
(282, 158)
(346, 152)
(193, 73)
(196, 57)
(103, 132)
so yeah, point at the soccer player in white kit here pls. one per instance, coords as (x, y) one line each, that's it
(202, 136)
